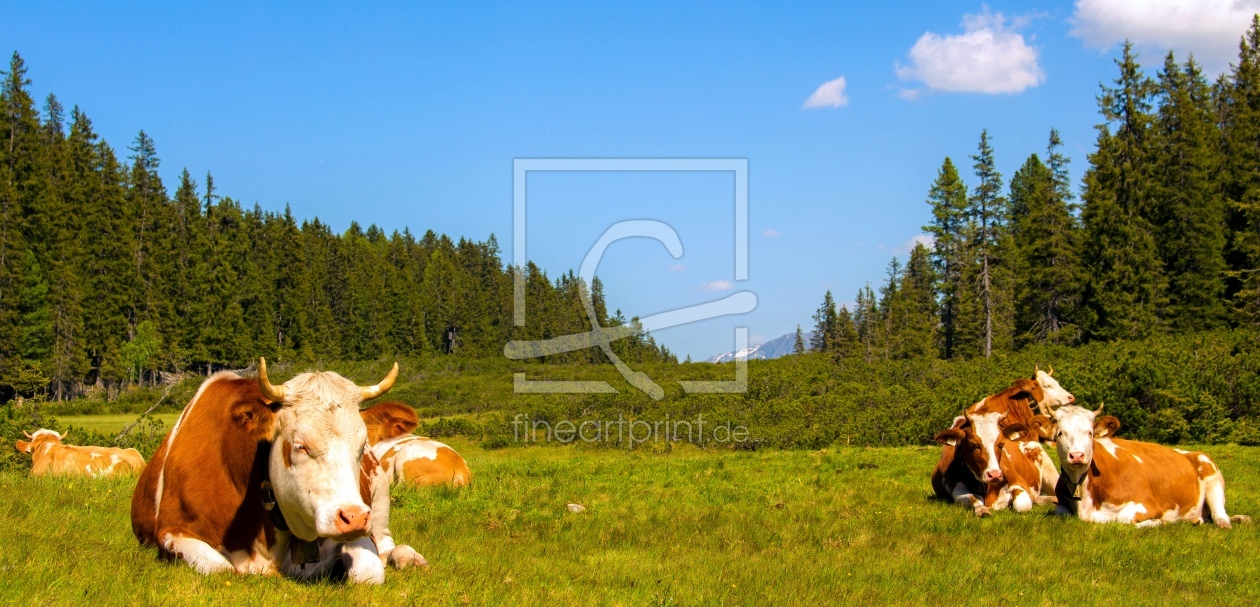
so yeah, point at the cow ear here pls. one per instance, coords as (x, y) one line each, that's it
(1042, 426)
(1016, 432)
(950, 437)
(1106, 426)
(388, 420)
(22, 446)
(256, 417)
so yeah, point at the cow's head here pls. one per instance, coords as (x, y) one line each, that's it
(43, 435)
(1048, 393)
(1076, 429)
(317, 452)
(969, 445)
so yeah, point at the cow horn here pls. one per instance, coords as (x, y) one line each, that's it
(1051, 372)
(272, 393)
(1099, 409)
(63, 435)
(28, 434)
(383, 387)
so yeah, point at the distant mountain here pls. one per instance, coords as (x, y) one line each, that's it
(779, 346)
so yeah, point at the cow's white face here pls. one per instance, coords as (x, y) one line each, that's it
(316, 457)
(1053, 395)
(986, 429)
(1074, 439)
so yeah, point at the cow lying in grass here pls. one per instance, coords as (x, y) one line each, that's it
(1107, 479)
(51, 457)
(259, 479)
(992, 456)
(410, 459)
(984, 480)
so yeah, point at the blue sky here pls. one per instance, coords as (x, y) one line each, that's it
(411, 115)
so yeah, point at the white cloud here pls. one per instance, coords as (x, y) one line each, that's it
(904, 248)
(772, 233)
(717, 285)
(830, 94)
(1208, 28)
(988, 57)
(909, 94)
(678, 268)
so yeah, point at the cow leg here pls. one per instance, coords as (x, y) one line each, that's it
(970, 500)
(198, 554)
(1022, 501)
(363, 564)
(1214, 490)
(404, 556)
(1150, 522)
(401, 556)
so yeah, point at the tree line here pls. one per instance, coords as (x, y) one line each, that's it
(1165, 238)
(106, 279)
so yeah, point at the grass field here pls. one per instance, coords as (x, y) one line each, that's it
(846, 526)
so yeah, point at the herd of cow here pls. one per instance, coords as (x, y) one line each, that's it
(259, 478)
(992, 459)
(294, 479)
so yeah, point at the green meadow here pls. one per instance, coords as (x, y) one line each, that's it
(668, 526)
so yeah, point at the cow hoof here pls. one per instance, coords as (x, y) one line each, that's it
(982, 512)
(405, 556)
(1240, 518)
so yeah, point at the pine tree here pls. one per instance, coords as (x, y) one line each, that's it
(798, 345)
(1126, 295)
(1189, 212)
(949, 229)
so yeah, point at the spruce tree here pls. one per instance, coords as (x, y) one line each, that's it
(823, 338)
(988, 276)
(950, 231)
(1189, 212)
(1127, 292)
(915, 334)
(798, 345)
(1045, 233)
(1239, 103)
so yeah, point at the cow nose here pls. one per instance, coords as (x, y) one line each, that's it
(1071, 399)
(992, 476)
(1076, 457)
(353, 519)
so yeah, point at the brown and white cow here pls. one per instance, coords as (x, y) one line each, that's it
(248, 459)
(989, 416)
(1112, 480)
(410, 459)
(53, 458)
(962, 474)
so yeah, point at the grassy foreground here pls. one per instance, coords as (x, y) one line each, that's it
(843, 526)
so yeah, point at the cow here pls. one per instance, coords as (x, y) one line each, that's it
(991, 414)
(409, 459)
(1047, 391)
(52, 458)
(263, 479)
(963, 473)
(1107, 479)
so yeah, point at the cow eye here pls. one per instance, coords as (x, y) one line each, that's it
(300, 448)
